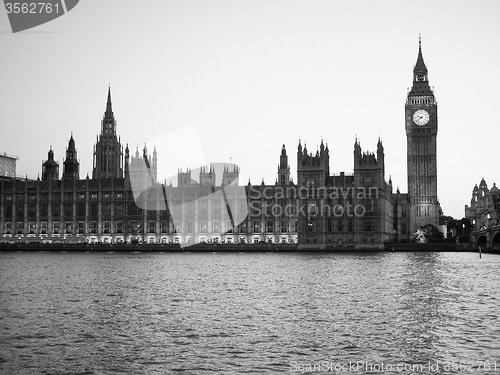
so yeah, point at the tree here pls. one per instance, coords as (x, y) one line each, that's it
(451, 227)
(464, 229)
(428, 233)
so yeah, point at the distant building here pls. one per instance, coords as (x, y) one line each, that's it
(7, 166)
(484, 209)
(142, 169)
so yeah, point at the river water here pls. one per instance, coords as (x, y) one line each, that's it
(246, 313)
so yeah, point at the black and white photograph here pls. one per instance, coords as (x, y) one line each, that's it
(249, 187)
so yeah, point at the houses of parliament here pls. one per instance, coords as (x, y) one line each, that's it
(123, 201)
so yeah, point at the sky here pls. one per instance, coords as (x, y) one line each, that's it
(232, 81)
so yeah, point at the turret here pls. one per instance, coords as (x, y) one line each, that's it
(50, 168)
(283, 168)
(299, 153)
(71, 164)
(127, 160)
(313, 168)
(357, 152)
(184, 178)
(368, 166)
(380, 155)
(154, 165)
(230, 177)
(322, 148)
(207, 178)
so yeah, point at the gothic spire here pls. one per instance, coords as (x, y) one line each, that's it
(379, 144)
(108, 151)
(108, 121)
(51, 154)
(108, 104)
(420, 68)
(420, 85)
(283, 150)
(71, 145)
(71, 163)
(50, 168)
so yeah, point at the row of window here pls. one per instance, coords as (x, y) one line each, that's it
(338, 225)
(67, 197)
(420, 100)
(150, 227)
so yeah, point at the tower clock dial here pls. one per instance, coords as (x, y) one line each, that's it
(421, 117)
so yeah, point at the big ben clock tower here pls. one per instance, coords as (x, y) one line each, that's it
(421, 133)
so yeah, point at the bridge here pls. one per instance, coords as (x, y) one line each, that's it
(487, 238)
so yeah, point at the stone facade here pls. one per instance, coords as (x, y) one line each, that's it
(484, 209)
(343, 209)
(421, 134)
(124, 202)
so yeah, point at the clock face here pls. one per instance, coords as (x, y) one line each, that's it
(421, 117)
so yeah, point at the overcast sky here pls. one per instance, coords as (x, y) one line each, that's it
(245, 77)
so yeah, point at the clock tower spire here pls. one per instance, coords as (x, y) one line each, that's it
(420, 75)
(421, 136)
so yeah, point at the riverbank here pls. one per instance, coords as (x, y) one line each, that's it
(261, 247)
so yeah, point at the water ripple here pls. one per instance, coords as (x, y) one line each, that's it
(244, 313)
